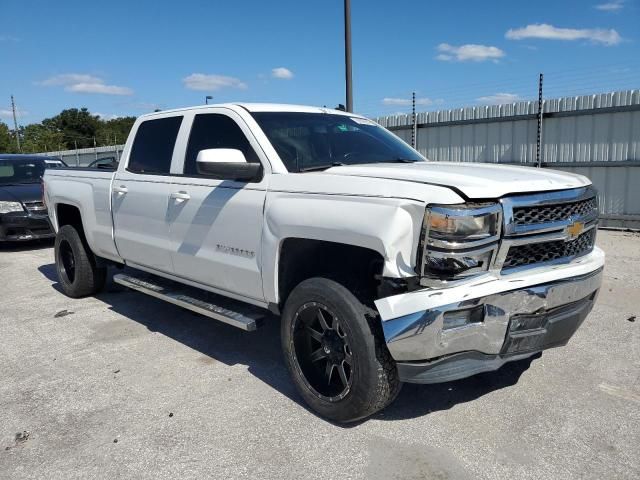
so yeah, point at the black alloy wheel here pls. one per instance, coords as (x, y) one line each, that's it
(68, 261)
(334, 349)
(322, 351)
(78, 271)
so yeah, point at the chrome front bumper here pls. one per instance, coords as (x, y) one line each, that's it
(520, 317)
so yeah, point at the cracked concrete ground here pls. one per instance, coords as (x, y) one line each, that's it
(124, 385)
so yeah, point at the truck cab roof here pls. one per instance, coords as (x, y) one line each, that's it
(258, 107)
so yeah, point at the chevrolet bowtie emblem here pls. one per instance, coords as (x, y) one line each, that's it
(574, 230)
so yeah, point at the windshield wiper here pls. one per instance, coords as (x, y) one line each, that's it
(321, 167)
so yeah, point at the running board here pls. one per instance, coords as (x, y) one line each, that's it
(239, 314)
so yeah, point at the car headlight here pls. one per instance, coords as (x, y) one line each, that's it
(458, 241)
(7, 207)
(463, 223)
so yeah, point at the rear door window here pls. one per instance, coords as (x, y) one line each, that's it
(152, 148)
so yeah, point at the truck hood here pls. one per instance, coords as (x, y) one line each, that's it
(474, 180)
(23, 192)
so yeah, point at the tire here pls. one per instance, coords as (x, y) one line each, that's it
(78, 274)
(351, 353)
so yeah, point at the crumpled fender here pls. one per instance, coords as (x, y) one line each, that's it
(389, 226)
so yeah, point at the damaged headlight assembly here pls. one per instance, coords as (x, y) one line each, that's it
(458, 241)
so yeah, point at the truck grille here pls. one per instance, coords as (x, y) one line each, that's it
(541, 228)
(553, 213)
(532, 253)
(35, 207)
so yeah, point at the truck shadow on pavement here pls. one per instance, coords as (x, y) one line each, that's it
(260, 351)
(26, 245)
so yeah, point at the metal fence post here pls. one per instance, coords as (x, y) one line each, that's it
(413, 120)
(540, 114)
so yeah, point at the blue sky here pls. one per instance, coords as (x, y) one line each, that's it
(129, 57)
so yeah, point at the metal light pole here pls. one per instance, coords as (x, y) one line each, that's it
(207, 98)
(347, 54)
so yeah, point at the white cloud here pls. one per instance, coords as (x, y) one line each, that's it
(469, 52)
(84, 83)
(282, 73)
(404, 102)
(8, 38)
(107, 116)
(69, 79)
(7, 113)
(99, 88)
(499, 98)
(549, 32)
(612, 6)
(201, 81)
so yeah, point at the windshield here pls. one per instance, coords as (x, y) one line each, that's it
(21, 171)
(314, 141)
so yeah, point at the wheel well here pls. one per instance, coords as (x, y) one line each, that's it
(357, 268)
(69, 215)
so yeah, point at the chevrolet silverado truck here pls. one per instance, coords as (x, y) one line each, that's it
(383, 267)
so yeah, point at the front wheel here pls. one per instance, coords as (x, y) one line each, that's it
(78, 273)
(337, 358)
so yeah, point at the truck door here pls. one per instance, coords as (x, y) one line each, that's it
(216, 223)
(140, 195)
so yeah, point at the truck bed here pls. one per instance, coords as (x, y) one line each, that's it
(89, 189)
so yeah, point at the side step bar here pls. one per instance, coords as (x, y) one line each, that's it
(236, 313)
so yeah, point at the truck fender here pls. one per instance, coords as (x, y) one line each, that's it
(388, 226)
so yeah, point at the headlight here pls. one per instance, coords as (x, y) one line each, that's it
(463, 223)
(6, 207)
(458, 241)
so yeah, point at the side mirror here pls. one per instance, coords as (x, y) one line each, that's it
(226, 164)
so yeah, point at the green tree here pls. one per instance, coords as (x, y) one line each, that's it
(77, 126)
(37, 138)
(114, 131)
(7, 139)
(64, 131)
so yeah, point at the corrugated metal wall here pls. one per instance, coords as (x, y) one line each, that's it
(594, 135)
(84, 156)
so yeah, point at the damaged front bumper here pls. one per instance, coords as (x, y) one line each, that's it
(515, 316)
(20, 226)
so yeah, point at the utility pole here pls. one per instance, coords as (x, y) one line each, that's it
(539, 137)
(347, 54)
(15, 123)
(413, 119)
(75, 144)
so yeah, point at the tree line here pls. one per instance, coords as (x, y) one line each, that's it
(72, 128)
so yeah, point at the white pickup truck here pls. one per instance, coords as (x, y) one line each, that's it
(382, 266)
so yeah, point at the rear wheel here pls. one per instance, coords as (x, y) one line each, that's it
(78, 273)
(337, 358)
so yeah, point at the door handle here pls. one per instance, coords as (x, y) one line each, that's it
(121, 190)
(181, 196)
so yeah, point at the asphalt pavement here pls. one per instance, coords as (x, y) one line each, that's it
(123, 385)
